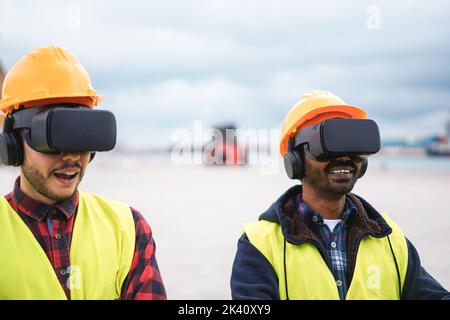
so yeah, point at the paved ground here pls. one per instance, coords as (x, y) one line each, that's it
(197, 213)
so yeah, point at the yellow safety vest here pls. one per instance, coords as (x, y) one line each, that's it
(308, 276)
(101, 253)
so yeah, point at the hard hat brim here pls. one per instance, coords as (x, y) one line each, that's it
(8, 105)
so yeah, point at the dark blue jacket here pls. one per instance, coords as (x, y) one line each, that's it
(253, 277)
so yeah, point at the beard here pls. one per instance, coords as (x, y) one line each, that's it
(40, 183)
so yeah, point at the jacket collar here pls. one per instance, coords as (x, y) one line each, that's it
(283, 211)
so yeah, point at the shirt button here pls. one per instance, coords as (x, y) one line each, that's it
(339, 283)
(333, 244)
(63, 272)
(315, 218)
(57, 236)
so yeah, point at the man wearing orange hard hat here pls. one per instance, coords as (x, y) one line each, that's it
(319, 240)
(57, 242)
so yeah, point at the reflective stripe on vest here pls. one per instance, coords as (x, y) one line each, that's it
(308, 276)
(101, 253)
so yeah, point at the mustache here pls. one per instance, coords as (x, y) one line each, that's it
(336, 163)
(69, 165)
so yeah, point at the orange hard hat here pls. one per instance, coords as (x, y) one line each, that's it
(47, 75)
(315, 107)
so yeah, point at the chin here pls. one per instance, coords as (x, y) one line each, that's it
(343, 189)
(59, 194)
(62, 197)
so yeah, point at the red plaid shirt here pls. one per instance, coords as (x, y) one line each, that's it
(52, 227)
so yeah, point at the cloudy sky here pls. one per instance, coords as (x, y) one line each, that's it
(165, 64)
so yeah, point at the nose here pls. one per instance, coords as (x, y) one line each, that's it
(344, 158)
(70, 156)
(355, 159)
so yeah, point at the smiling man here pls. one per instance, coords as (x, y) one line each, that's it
(318, 240)
(57, 242)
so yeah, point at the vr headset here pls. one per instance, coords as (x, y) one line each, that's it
(56, 129)
(331, 139)
(334, 138)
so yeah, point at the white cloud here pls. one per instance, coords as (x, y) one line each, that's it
(245, 61)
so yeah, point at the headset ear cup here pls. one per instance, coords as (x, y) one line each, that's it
(363, 169)
(293, 164)
(11, 149)
(289, 165)
(4, 149)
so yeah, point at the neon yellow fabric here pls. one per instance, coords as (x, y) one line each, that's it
(308, 276)
(101, 253)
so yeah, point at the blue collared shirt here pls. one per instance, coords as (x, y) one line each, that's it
(335, 242)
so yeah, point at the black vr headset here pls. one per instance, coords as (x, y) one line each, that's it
(331, 139)
(56, 129)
